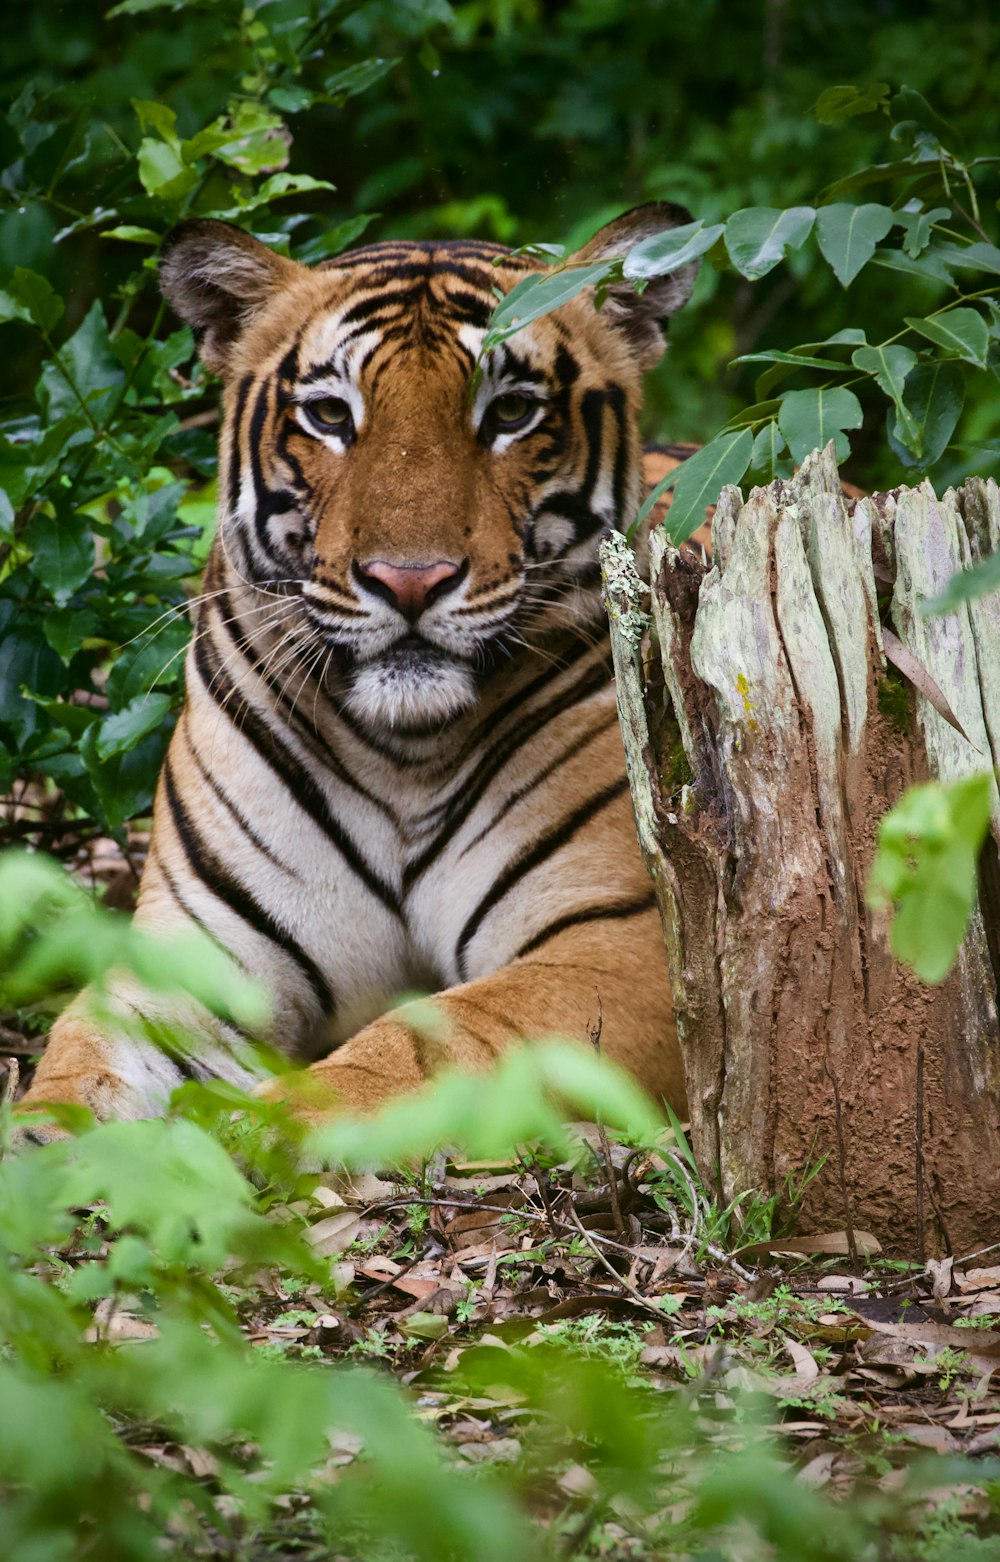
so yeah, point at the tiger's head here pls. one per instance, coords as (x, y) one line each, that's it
(429, 519)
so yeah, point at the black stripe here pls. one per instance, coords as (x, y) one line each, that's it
(631, 908)
(592, 415)
(576, 747)
(552, 841)
(616, 400)
(309, 733)
(302, 789)
(234, 812)
(492, 762)
(207, 867)
(235, 472)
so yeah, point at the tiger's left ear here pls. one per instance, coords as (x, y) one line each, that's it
(642, 317)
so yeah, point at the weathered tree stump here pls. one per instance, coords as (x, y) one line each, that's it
(765, 737)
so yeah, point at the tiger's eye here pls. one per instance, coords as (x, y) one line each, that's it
(513, 411)
(331, 415)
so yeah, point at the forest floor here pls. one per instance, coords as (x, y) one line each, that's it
(856, 1364)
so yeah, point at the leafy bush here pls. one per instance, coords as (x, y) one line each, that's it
(129, 1257)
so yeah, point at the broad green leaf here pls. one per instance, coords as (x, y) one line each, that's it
(932, 266)
(123, 729)
(28, 296)
(67, 629)
(978, 581)
(163, 170)
(125, 783)
(933, 395)
(334, 241)
(698, 482)
(925, 867)
(809, 419)
(256, 141)
(62, 552)
(279, 185)
(973, 257)
(758, 237)
(919, 227)
(848, 236)
(889, 366)
(665, 252)
(768, 448)
(835, 104)
(86, 373)
(536, 296)
(159, 118)
(747, 417)
(961, 331)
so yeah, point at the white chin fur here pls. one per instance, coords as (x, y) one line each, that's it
(385, 693)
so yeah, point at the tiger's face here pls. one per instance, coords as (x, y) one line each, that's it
(431, 519)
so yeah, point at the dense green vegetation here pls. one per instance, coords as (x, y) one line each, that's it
(838, 160)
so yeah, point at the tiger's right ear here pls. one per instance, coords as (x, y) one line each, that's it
(216, 277)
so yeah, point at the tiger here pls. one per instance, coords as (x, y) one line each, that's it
(397, 767)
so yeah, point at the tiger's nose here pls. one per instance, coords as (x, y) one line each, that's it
(410, 587)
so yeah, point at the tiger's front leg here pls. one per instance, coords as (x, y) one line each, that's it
(613, 971)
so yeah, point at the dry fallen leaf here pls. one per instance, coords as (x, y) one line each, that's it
(333, 1234)
(832, 1242)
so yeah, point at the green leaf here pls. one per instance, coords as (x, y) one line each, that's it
(665, 252)
(85, 370)
(120, 732)
(792, 359)
(931, 266)
(67, 629)
(132, 235)
(279, 185)
(965, 586)
(933, 395)
(159, 118)
(345, 84)
(768, 448)
(848, 236)
(835, 104)
(334, 241)
(889, 366)
(163, 171)
(28, 296)
(699, 480)
(925, 867)
(125, 783)
(919, 227)
(758, 237)
(62, 552)
(809, 419)
(536, 296)
(960, 331)
(972, 257)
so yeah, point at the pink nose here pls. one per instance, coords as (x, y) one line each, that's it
(410, 587)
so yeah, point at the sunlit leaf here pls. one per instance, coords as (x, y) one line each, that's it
(758, 237)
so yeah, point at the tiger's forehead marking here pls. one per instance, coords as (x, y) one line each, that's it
(412, 295)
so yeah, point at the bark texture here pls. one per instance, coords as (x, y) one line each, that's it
(765, 739)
